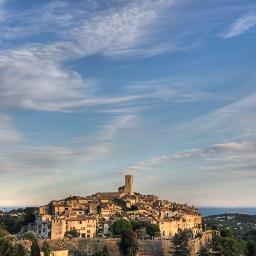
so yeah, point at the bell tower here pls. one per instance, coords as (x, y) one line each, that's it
(129, 185)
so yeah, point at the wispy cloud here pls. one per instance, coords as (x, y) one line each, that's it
(47, 160)
(241, 25)
(8, 133)
(108, 131)
(34, 76)
(219, 159)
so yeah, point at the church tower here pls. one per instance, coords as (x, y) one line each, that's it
(129, 185)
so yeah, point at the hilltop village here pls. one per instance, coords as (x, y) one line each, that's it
(92, 216)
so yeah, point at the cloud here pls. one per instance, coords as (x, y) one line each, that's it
(47, 160)
(241, 25)
(29, 80)
(110, 130)
(145, 165)
(34, 76)
(8, 134)
(231, 156)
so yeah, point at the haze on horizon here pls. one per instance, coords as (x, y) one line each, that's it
(164, 90)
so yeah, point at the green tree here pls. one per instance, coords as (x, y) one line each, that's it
(128, 243)
(35, 249)
(250, 238)
(121, 225)
(9, 246)
(226, 233)
(46, 249)
(228, 246)
(204, 252)
(72, 234)
(3, 232)
(21, 250)
(105, 251)
(152, 229)
(181, 243)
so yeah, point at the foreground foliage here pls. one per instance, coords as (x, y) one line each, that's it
(181, 243)
(128, 243)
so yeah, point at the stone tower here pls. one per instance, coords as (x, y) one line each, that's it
(129, 185)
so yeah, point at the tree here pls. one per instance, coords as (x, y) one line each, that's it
(72, 234)
(3, 232)
(121, 225)
(128, 243)
(21, 250)
(9, 246)
(204, 252)
(228, 246)
(105, 251)
(226, 232)
(181, 243)
(152, 229)
(250, 238)
(46, 249)
(35, 249)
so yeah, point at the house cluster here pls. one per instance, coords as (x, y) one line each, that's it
(92, 216)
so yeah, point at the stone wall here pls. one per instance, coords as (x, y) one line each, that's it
(146, 247)
(202, 242)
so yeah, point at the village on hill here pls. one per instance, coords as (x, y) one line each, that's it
(93, 216)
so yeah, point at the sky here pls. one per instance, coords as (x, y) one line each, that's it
(91, 90)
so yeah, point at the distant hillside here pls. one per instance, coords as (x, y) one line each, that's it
(238, 223)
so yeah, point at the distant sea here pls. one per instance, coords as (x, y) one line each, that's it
(218, 210)
(6, 209)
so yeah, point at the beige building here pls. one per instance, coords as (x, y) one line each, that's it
(58, 228)
(86, 226)
(129, 185)
(169, 227)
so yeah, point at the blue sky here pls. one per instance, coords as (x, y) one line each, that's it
(161, 89)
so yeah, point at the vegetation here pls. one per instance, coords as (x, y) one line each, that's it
(14, 220)
(3, 233)
(128, 243)
(237, 234)
(72, 234)
(10, 246)
(46, 249)
(181, 243)
(238, 223)
(228, 246)
(119, 226)
(35, 249)
(205, 252)
(250, 238)
(84, 252)
(151, 229)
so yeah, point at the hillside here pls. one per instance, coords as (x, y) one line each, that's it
(238, 223)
